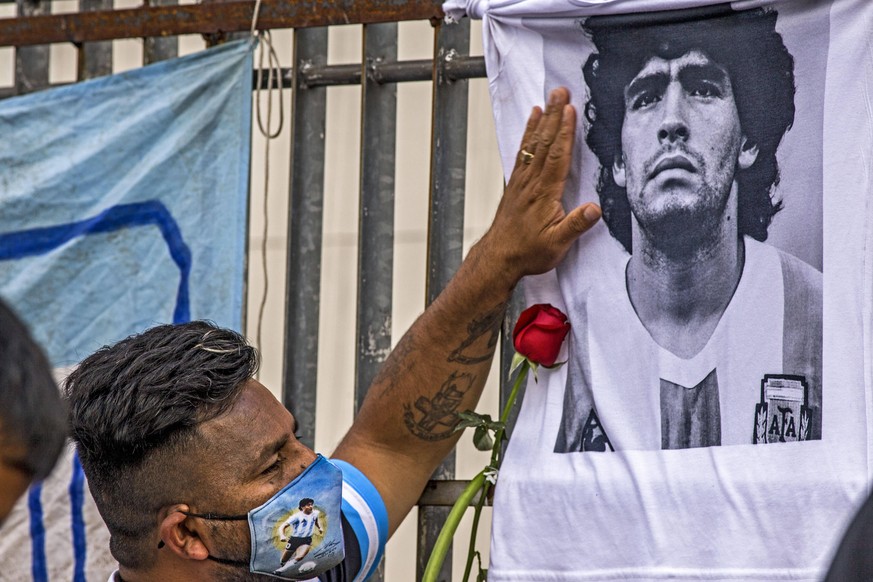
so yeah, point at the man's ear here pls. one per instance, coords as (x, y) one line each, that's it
(748, 155)
(178, 535)
(618, 173)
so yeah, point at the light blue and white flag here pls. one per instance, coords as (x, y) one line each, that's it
(123, 204)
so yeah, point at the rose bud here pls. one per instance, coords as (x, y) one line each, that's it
(539, 333)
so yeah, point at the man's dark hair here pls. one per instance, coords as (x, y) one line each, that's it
(32, 414)
(304, 502)
(761, 71)
(135, 409)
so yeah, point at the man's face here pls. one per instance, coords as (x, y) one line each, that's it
(681, 144)
(307, 509)
(253, 453)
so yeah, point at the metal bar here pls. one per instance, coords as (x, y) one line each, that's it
(32, 62)
(376, 217)
(306, 209)
(445, 493)
(455, 68)
(332, 75)
(376, 220)
(217, 18)
(446, 227)
(95, 58)
(159, 48)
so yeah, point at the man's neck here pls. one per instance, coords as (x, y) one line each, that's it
(680, 301)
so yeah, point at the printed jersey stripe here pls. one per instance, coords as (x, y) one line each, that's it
(366, 513)
(77, 502)
(38, 565)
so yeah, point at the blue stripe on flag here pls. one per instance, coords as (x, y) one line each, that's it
(38, 241)
(37, 535)
(77, 503)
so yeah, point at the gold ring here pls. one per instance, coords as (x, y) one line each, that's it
(526, 157)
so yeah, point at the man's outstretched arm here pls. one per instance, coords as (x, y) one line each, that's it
(405, 426)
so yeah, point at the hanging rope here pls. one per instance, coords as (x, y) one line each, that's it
(274, 77)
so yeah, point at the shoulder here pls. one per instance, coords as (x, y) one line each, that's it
(798, 273)
(803, 285)
(365, 512)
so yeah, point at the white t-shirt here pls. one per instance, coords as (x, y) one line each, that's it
(713, 395)
(738, 511)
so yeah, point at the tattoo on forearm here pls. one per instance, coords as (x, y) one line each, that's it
(434, 419)
(488, 323)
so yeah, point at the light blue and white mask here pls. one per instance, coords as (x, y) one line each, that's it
(297, 534)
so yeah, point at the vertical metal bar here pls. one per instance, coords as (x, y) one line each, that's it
(31, 62)
(446, 226)
(95, 58)
(305, 220)
(376, 221)
(160, 48)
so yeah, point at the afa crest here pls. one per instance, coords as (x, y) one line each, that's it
(783, 415)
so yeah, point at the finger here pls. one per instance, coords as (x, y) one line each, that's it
(556, 163)
(527, 139)
(549, 125)
(577, 222)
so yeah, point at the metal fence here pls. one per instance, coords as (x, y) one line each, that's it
(96, 24)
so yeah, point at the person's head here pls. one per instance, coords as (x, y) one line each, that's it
(306, 505)
(32, 414)
(682, 110)
(171, 422)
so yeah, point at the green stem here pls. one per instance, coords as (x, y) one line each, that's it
(471, 551)
(444, 540)
(522, 374)
(510, 402)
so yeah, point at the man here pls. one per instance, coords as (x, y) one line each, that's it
(302, 524)
(181, 446)
(32, 414)
(716, 333)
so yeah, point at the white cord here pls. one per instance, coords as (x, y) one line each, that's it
(274, 74)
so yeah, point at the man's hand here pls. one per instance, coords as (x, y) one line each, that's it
(531, 231)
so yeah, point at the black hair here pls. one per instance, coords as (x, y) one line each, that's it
(32, 414)
(304, 502)
(134, 411)
(761, 70)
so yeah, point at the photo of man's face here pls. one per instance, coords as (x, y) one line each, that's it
(681, 146)
(694, 317)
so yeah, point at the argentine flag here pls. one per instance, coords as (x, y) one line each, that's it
(124, 205)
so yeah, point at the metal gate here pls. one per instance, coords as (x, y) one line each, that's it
(96, 24)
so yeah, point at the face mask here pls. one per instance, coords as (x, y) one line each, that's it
(297, 534)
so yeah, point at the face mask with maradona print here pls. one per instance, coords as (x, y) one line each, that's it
(297, 534)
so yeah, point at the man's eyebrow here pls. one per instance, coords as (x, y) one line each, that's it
(702, 72)
(648, 82)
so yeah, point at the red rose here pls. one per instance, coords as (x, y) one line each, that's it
(539, 333)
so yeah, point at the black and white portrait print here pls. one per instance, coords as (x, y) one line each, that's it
(697, 313)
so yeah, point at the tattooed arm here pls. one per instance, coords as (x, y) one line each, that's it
(405, 426)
